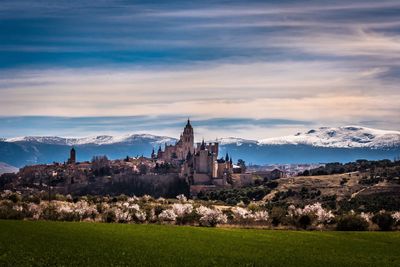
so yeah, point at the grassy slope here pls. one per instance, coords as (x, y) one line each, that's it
(93, 244)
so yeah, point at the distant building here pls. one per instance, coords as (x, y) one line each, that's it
(72, 156)
(271, 175)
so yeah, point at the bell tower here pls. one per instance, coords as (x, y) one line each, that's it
(188, 138)
(72, 156)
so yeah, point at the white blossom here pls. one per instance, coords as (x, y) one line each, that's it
(182, 209)
(167, 215)
(182, 198)
(152, 215)
(261, 216)
(17, 208)
(146, 198)
(242, 213)
(140, 215)
(122, 216)
(316, 209)
(133, 199)
(35, 210)
(396, 216)
(366, 216)
(69, 197)
(211, 217)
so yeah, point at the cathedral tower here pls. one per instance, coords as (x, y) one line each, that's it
(187, 139)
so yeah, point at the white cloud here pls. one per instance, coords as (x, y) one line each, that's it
(325, 93)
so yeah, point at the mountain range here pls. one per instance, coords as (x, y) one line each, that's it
(325, 144)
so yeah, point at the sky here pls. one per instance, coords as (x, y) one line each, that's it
(250, 69)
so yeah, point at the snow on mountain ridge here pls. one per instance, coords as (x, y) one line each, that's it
(335, 137)
(96, 140)
(235, 140)
(340, 137)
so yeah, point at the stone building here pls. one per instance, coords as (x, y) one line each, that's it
(72, 156)
(200, 165)
(179, 151)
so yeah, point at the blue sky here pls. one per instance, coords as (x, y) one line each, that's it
(253, 69)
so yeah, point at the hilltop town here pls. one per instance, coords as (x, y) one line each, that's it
(185, 167)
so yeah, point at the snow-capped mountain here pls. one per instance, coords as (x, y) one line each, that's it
(235, 140)
(340, 137)
(324, 144)
(94, 140)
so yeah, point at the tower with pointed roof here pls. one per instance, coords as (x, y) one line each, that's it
(187, 139)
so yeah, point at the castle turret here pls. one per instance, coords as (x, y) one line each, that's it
(203, 145)
(159, 153)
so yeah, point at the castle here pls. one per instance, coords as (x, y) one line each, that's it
(200, 165)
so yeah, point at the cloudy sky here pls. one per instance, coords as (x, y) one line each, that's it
(251, 69)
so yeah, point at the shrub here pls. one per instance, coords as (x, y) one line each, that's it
(50, 212)
(210, 217)
(158, 209)
(272, 184)
(352, 223)
(261, 216)
(278, 216)
(34, 199)
(396, 217)
(167, 215)
(15, 197)
(109, 216)
(305, 221)
(189, 218)
(242, 215)
(8, 210)
(384, 220)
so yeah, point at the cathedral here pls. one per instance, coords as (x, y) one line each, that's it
(200, 164)
(180, 150)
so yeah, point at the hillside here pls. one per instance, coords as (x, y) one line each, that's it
(372, 186)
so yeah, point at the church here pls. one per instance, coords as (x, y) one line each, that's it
(200, 164)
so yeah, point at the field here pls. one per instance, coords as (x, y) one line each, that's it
(25, 243)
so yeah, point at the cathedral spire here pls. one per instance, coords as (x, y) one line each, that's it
(203, 145)
(226, 157)
(188, 125)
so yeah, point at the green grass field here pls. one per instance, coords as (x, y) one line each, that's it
(24, 243)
